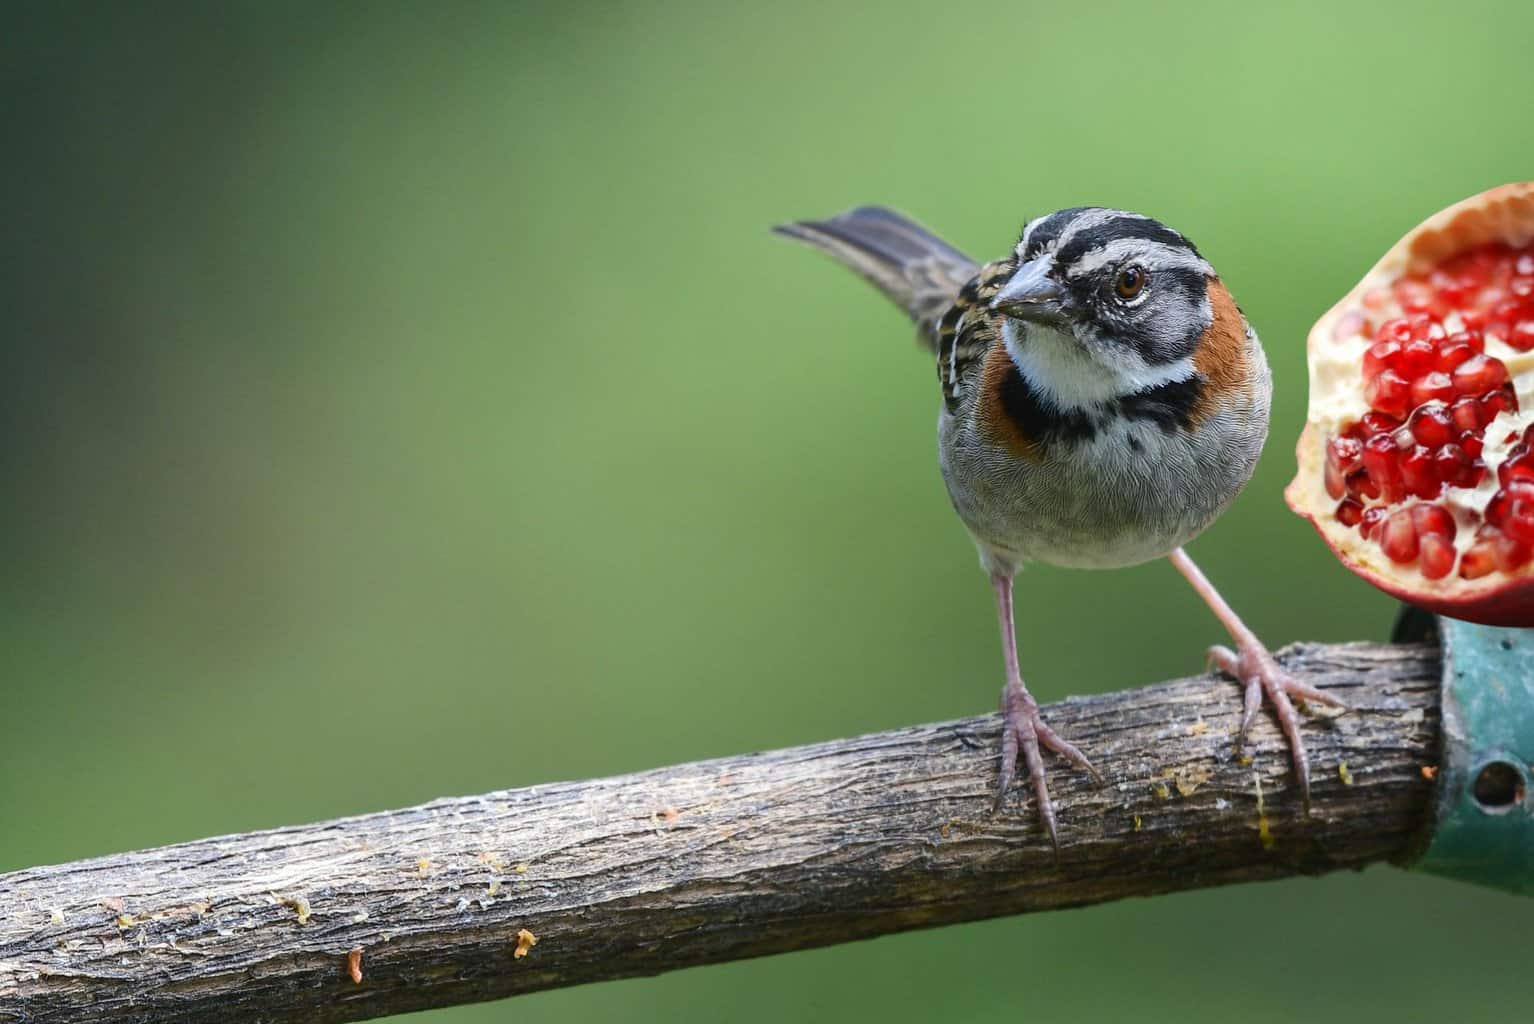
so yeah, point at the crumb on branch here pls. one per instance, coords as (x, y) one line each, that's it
(300, 904)
(1188, 778)
(1264, 834)
(526, 940)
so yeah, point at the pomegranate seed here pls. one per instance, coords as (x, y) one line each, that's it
(1349, 512)
(1369, 522)
(1453, 466)
(1341, 458)
(1523, 470)
(1518, 518)
(1512, 510)
(1391, 393)
(1397, 330)
(1430, 425)
(1333, 480)
(1417, 474)
(1506, 312)
(1521, 335)
(1419, 323)
(1501, 400)
(1377, 423)
(1358, 485)
(1417, 356)
(1496, 509)
(1379, 458)
(1521, 287)
(1519, 465)
(1524, 264)
(1478, 374)
(1398, 538)
(1433, 519)
(1477, 561)
(1510, 554)
(1472, 444)
(1437, 559)
(1431, 387)
(1419, 301)
(1453, 352)
(1466, 414)
(1380, 355)
(1344, 452)
(1452, 291)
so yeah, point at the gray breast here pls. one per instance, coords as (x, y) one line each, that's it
(1132, 492)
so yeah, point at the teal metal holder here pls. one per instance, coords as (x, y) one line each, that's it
(1484, 831)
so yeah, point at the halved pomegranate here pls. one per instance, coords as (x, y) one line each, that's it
(1417, 461)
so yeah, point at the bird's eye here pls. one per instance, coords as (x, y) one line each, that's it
(1131, 282)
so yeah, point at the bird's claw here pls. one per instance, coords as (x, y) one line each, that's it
(1024, 730)
(1259, 673)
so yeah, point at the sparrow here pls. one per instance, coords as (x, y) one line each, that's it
(1103, 401)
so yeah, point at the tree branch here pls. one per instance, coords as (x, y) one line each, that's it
(720, 860)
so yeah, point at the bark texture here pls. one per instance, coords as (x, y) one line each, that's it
(482, 897)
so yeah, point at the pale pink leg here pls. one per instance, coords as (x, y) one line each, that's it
(1253, 667)
(1022, 727)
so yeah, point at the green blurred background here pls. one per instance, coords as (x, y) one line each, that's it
(407, 399)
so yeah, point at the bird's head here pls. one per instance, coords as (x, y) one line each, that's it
(1104, 303)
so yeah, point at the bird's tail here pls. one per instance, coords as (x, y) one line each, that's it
(918, 271)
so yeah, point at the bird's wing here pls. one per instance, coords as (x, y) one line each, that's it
(969, 329)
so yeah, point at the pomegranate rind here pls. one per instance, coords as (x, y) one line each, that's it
(1504, 214)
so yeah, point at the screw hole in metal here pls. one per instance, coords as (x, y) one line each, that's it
(1498, 787)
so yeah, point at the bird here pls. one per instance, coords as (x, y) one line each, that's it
(1103, 401)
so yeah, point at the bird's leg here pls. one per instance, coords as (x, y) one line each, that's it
(1253, 667)
(1022, 726)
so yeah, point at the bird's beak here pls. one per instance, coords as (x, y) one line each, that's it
(1031, 294)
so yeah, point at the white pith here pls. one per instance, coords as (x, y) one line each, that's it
(1336, 382)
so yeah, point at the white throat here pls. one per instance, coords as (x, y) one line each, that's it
(1061, 370)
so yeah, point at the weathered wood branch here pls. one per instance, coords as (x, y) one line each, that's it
(719, 860)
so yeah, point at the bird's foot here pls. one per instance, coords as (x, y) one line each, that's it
(1023, 729)
(1256, 670)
